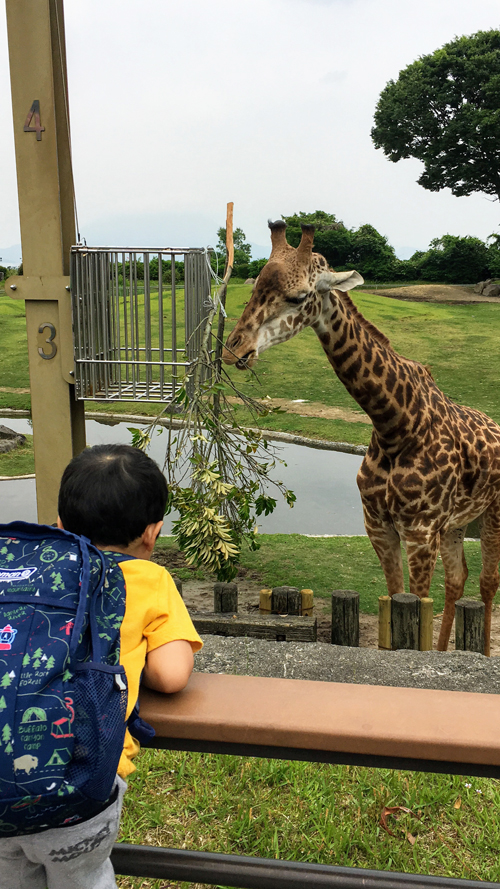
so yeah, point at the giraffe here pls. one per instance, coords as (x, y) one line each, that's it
(432, 466)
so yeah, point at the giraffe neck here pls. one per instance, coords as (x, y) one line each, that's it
(392, 390)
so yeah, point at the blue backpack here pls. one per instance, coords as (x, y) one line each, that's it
(63, 693)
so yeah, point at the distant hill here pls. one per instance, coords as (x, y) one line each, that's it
(10, 255)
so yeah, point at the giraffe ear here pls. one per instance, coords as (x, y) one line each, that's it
(338, 281)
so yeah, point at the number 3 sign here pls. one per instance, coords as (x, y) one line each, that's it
(53, 347)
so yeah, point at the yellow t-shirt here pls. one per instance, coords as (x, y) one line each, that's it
(154, 614)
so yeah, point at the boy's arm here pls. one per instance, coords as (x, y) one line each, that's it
(169, 666)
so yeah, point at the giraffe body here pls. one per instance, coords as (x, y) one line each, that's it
(432, 466)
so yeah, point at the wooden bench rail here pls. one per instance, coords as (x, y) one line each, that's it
(423, 729)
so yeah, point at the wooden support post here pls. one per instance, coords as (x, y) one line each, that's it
(37, 57)
(285, 600)
(307, 603)
(265, 601)
(405, 620)
(469, 625)
(384, 623)
(426, 624)
(226, 598)
(345, 618)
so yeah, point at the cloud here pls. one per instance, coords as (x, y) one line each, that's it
(334, 77)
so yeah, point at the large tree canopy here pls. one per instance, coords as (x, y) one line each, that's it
(444, 109)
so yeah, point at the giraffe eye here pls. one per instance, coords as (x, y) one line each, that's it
(296, 300)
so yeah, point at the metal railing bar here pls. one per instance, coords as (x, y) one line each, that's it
(125, 314)
(147, 318)
(133, 361)
(85, 345)
(176, 250)
(92, 328)
(118, 346)
(104, 318)
(160, 320)
(153, 349)
(112, 312)
(76, 316)
(174, 320)
(246, 872)
(132, 294)
(333, 757)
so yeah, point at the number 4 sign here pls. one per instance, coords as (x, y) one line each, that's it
(34, 112)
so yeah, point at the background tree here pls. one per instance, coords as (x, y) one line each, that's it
(494, 255)
(453, 260)
(332, 239)
(371, 254)
(242, 252)
(444, 110)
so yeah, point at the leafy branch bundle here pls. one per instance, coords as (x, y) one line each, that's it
(218, 473)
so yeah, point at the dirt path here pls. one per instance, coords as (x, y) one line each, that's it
(441, 293)
(305, 408)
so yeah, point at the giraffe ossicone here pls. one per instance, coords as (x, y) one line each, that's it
(432, 466)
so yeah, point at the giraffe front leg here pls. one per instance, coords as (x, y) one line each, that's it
(455, 575)
(387, 544)
(489, 577)
(421, 551)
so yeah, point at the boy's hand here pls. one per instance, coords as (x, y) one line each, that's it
(169, 667)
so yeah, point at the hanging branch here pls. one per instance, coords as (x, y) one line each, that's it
(217, 471)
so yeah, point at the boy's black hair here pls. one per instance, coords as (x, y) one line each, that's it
(111, 493)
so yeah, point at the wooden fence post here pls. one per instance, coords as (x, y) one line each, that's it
(405, 613)
(306, 603)
(384, 623)
(265, 601)
(469, 625)
(285, 600)
(345, 618)
(426, 625)
(226, 597)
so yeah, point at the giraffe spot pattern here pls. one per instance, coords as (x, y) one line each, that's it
(431, 465)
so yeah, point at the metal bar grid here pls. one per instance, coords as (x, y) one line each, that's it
(134, 335)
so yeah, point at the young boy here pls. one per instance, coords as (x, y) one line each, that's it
(116, 496)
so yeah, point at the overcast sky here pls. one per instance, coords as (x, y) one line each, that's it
(177, 108)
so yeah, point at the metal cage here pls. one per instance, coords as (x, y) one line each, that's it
(138, 318)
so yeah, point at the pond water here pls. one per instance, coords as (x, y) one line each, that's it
(324, 483)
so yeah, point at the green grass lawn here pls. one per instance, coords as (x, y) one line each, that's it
(20, 461)
(313, 812)
(323, 564)
(460, 342)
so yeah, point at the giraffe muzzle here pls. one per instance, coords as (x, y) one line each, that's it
(246, 361)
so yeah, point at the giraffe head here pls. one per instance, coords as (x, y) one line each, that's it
(287, 296)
